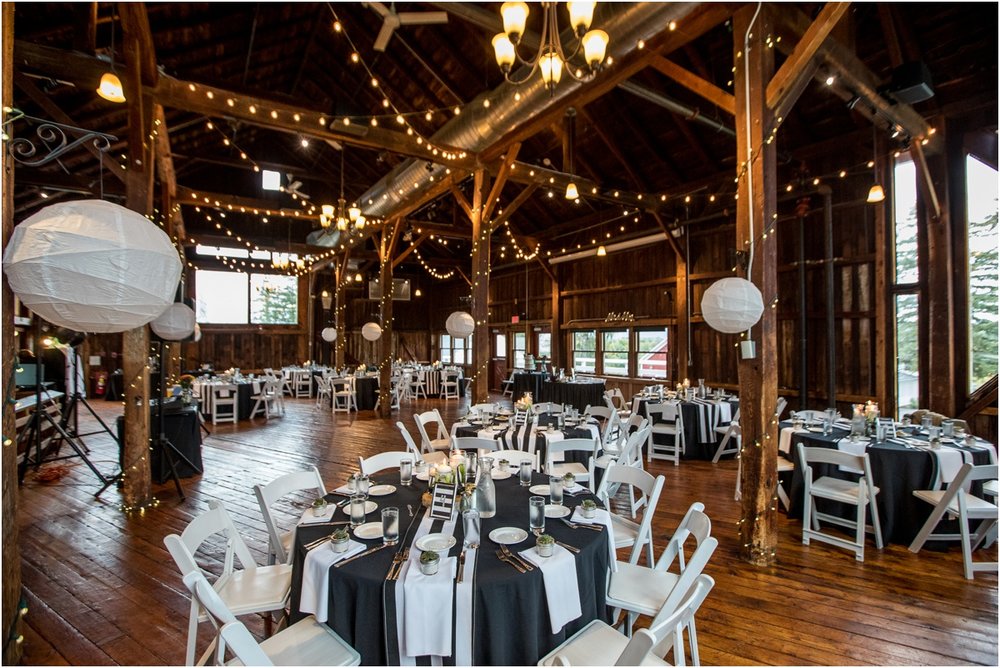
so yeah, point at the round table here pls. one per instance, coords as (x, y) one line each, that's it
(577, 393)
(510, 616)
(700, 420)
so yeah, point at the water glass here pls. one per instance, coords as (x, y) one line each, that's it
(364, 482)
(390, 526)
(352, 483)
(556, 490)
(536, 514)
(471, 465)
(405, 472)
(925, 422)
(357, 510)
(470, 527)
(525, 473)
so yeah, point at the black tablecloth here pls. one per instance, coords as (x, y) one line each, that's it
(693, 447)
(577, 395)
(520, 439)
(366, 393)
(528, 381)
(896, 470)
(182, 429)
(511, 622)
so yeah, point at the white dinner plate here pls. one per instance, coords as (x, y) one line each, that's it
(438, 542)
(508, 535)
(370, 507)
(540, 490)
(552, 510)
(368, 531)
(501, 475)
(381, 490)
(421, 476)
(815, 430)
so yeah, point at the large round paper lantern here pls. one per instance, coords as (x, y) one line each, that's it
(174, 324)
(732, 305)
(371, 331)
(329, 334)
(92, 266)
(460, 324)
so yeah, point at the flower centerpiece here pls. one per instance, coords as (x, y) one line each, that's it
(871, 415)
(187, 388)
(524, 403)
(459, 465)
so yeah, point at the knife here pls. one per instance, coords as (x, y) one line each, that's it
(461, 566)
(363, 554)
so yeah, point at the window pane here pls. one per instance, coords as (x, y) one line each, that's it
(907, 354)
(445, 341)
(222, 297)
(981, 188)
(519, 340)
(446, 355)
(905, 229)
(615, 352)
(544, 344)
(459, 356)
(274, 299)
(501, 341)
(584, 351)
(652, 353)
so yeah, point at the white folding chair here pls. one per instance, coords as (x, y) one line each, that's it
(610, 425)
(784, 466)
(957, 502)
(543, 407)
(627, 532)
(860, 494)
(383, 461)
(302, 381)
(780, 407)
(731, 433)
(344, 400)
(265, 401)
(515, 457)
(305, 643)
(640, 590)
(598, 644)
(252, 590)
(286, 383)
(433, 458)
(666, 419)
(279, 542)
(224, 400)
(508, 386)
(449, 385)
(582, 473)
(418, 384)
(440, 440)
(323, 391)
(485, 446)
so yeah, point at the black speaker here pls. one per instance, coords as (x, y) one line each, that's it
(911, 83)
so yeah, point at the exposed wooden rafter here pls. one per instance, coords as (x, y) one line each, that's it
(695, 83)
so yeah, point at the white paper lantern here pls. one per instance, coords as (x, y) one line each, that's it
(197, 333)
(371, 331)
(92, 266)
(329, 334)
(732, 305)
(174, 324)
(460, 324)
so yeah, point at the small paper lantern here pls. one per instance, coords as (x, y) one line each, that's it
(460, 324)
(732, 305)
(174, 324)
(371, 331)
(92, 266)
(197, 333)
(329, 334)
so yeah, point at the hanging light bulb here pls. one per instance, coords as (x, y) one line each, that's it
(551, 66)
(358, 277)
(601, 251)
(515, 16)
(876, 194)
(354, 212)
(571, 192)
(111, 88)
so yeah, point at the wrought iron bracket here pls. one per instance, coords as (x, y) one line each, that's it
(50, 141)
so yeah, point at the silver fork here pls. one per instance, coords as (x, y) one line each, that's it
(517, 557)
(402, 561)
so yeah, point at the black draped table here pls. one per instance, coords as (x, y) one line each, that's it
(182, 428)
(897, 470)
(578, 394)
(528, 381)
(244, 396)
(701, 417)
(532, 436)
(510, 620)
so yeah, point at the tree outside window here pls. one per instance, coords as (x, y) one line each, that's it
(585, 351)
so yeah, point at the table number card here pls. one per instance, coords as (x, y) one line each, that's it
(443, 501)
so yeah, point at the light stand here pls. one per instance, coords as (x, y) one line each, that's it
(71, 411)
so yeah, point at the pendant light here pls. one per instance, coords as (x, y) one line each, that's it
(111, 86)
(342, 203)
(875, 194)
(571, 192)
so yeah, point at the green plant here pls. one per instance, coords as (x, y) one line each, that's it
(428, 557)
(589, 504)
(545, 539)
(339, 534)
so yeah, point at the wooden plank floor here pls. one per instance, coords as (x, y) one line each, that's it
(102, 588)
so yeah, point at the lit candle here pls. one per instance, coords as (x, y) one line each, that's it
(687, 383)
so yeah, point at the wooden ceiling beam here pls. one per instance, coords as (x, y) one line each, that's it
(501, 180)
(511, 208)
(670, 238)
(438, 230)
(191, 197)
(637, 181)
(409, 249)
(168, 177)
(695, 84)
(788, 83)
(460, 199)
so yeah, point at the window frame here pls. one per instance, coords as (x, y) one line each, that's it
(638, 351)
(247, 280)
(573, 350)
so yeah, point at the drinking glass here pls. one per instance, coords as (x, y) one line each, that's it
(536, 514)
(364, 482)
(390, 526)
(352, 484)
(525, 473)
(405, 472)
(470, 526)
(357, 510)
(471, 465)
(925, 422)
(556, 490)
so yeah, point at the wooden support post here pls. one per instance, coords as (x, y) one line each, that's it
(387, 249)
(480, 289)
(340, 312)
(11, 542)
(558, 356)
(137, 487)
(683, 345)
(754, 213)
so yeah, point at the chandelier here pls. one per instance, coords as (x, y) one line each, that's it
(280, 261)
(342, 215)
(551, 58)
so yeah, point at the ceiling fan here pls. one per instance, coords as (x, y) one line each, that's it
(391, 20)
(293, 187)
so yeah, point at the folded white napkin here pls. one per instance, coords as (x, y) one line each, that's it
(785, 440)
(309, 518)
(950, 461)
(601, 516)
(316, 577)
(343, 489)
(428, 607)
(577, 488)
(562, 591)
(859, 448)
